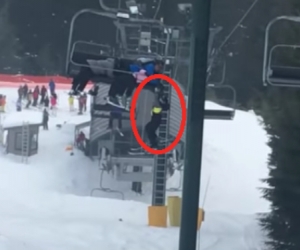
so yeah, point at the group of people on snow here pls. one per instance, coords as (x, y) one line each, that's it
(37, 97)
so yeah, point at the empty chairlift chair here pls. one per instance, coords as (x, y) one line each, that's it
(229, 105)
(284, 72)
(278, 69)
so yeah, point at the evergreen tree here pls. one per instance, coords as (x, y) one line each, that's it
(281, 113)
(280, 110)
(11, 62)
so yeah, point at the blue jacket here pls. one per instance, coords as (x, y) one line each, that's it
(148, 67)
(52, 85)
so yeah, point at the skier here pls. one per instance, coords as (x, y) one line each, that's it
(1, 104)
(81, 104)
(71, 102)
(80, 140)
(124, 84)
(25, 91)
(29, 98)
(45, 119)
(36, 93)
(84, 102)
(52, 86)
(124, 73)
(19, 105)
(46, 101)
(4, 102)
(53, 101)
(43, 94)
(20, 92)
(103, 67)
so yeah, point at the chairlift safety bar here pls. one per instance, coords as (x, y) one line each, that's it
(266, 64)
(290, 82)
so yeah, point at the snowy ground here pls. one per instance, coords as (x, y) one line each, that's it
(46, 204)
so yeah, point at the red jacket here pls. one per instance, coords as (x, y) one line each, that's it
(53, 101)
(35, 94)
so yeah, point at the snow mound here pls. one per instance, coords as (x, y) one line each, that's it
(46, 204)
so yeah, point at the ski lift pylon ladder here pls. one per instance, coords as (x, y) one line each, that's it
(25, 142)
(160, 166)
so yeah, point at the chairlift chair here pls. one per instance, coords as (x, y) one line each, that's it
(279, 75)
(283, 75)
(77, 56)
(210, 70)
(211, 114)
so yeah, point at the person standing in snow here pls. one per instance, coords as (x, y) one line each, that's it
(36, 93)
(20, 92)
(19, 105)
(45, 119)
(43, 94)
(81, 104)
(25, 91)
(46, 101)
(53, 101)
(71, 102)
(80, 140)
(52, 86)
(84, 102)
(1, 104)
(29, 98)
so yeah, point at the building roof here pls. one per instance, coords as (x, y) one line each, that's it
(13, 121)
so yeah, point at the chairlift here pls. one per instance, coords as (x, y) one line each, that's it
(122, 173)
(279, 75)
(226, 114)
(104, 155)
(101, 187)
(104, 56)
(113, 10)
(283, 75)
(210, 70)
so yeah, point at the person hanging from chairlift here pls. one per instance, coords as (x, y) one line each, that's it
(93, 68)
(161, 104)
(124, 84)
(126, 75)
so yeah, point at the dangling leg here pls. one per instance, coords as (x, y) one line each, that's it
(81, 79)
(116, 91)
(118, 116)
(152, 137)
(130, 87)
(119, 85)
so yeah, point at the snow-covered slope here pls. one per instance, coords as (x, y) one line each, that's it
(46, 205)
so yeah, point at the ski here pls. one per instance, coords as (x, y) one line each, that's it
(119, 132)
(137, 153)
(136, 149)
(114, 104)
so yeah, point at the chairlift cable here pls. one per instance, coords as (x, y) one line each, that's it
(157, 9)
(237, 25)
(206, 191)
